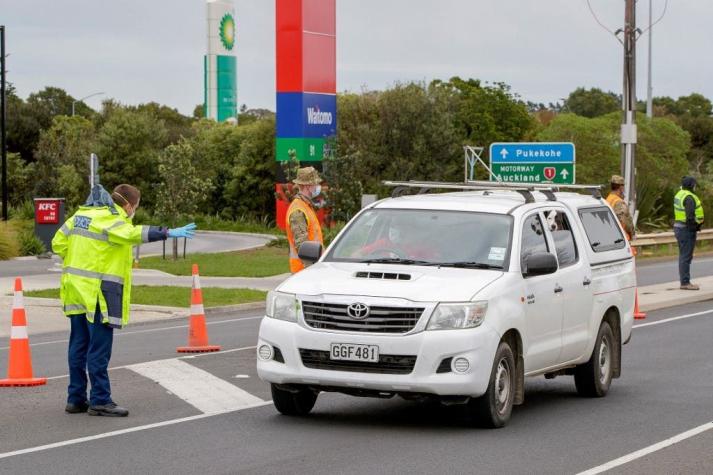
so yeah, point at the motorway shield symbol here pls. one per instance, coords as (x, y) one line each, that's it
(549, 172)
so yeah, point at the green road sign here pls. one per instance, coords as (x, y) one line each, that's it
(558, 173)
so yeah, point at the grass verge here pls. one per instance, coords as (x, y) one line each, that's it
(176, 296)
(262, 262)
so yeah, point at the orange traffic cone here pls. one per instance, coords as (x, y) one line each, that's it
(19, 368)
(197, 331)
(638, 314)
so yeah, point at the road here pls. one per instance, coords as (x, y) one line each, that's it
(665, 390)
(203, 242)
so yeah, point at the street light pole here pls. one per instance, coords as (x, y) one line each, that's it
(628, 127)
(85, 97)
(649, 88)
(3, 124)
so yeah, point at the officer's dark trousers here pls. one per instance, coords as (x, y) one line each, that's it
(686, 243)
(89, 351)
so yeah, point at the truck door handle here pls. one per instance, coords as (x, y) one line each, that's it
(558, 288)
(586, 281)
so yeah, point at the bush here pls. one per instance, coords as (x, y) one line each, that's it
(30, 245)
(23, 211)
(8, 243)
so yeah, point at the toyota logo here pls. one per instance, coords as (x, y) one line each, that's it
(358, 311)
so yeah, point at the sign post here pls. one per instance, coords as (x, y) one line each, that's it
(533, 162)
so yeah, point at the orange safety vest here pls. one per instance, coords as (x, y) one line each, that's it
(613, 199)
(314, 231)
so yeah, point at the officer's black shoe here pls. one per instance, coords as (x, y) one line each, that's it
(76, 408)
(108, 410)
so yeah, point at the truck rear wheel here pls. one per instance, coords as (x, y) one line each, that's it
(593, 378)
(293, 402)
(493, 409)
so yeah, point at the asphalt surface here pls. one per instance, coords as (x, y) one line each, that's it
(665, 389)
(657, 271)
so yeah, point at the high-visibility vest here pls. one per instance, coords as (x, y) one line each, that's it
(613, 199)
(314, 230)
(679, 210)
(95, 245)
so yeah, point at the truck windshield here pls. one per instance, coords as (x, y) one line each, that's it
(426, 237)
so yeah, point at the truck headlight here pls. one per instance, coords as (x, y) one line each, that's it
(282, 306)
(449, 316)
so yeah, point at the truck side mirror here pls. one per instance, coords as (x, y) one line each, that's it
(310, 252)
(540, 264)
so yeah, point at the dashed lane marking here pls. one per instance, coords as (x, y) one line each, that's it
(207, 393)
(129, 430)
(648, 450)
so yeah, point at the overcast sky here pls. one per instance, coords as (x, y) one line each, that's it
(151, 50)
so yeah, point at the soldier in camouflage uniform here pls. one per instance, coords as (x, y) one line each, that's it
(616, 201)
(302, 222)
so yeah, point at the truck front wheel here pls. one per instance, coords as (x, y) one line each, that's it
(293, 401)
(493, 409)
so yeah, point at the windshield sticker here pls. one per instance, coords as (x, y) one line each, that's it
(496, 254)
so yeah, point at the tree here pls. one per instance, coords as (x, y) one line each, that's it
(592, 103)
(63, 159)
(694, 104)
(181, 189)
(250, 188)
(128, 145)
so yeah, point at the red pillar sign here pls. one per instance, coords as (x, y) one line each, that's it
(306, 67)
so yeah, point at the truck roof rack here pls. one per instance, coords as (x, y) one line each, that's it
(525, 189)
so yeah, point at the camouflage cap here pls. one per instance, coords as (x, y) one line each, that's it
(617, 180)
(307, 176)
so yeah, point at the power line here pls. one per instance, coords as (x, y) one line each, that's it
(665, 7)
(596, 18)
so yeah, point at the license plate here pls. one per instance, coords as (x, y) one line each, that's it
(351, 352)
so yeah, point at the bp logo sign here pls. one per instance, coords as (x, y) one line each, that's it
(227, 31)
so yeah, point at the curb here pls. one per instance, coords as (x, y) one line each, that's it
(675, 302)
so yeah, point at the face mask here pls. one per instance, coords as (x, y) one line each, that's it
(316, 191)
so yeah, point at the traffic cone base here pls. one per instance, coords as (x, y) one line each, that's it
(197, 329)
(198, 349)
(23, 382)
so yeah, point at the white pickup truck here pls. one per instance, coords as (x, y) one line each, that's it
(455, 296)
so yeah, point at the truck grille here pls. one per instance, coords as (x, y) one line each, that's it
(331, 316)
(388, 364)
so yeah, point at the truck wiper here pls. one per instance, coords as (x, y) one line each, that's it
(393, 260)
(466, 265)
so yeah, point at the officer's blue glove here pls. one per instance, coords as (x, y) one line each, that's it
(187, 231)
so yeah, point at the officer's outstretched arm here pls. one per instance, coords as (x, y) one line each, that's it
(60, 241)
(121, 232)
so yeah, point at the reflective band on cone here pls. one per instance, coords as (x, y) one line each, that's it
(19, 368)
(197, 330)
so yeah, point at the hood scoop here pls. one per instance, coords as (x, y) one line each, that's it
(382, 275)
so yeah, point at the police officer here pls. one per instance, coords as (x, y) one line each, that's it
(95, 245)
(688, 220)
(621, 210)
(302, 222)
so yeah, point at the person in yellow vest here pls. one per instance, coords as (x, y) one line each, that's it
(95, 247)
(302, 222)
(621, 210)
(688, 220)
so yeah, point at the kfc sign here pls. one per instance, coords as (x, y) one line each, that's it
(47, 211)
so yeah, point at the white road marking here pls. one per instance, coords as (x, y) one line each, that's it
(150, 330)
(673, 319)
(212, 353)
(129, 430)
(199, 388)
(648, 450)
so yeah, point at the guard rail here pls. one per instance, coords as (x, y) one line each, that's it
(653, 239)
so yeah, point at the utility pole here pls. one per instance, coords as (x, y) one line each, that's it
(649, 88)
(628, 127)
(3, 124)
